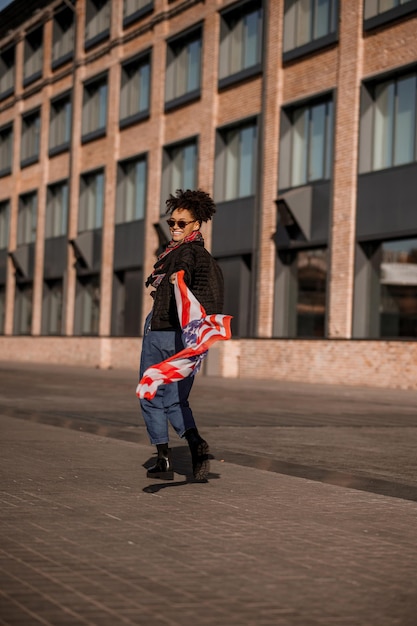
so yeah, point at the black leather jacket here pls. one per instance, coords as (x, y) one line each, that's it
(202, 275)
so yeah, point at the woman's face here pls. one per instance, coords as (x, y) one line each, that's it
(184, 225)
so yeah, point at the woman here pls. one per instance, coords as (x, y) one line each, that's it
(162, 334)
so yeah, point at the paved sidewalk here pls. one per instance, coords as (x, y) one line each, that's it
(269, 540)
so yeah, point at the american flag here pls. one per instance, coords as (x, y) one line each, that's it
(199, 331)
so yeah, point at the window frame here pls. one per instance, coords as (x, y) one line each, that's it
(23, 288)
(312, 45)
(65, 145)
(138, 14)
(48, 308)
(9, 49)
(97, 133)
(51, 211)
(167, 164)
(84, 284)
(7, 129)
(221, 156)
(121, 206)
(30, 215)
(83, 218)
(373, 20)
(5, 208)
(90, 42)
(367, 119)
(26, 160)
(182, 39)
(226, 16)
(37, 73)
(138, 61)
(286, 143)
(68, 55)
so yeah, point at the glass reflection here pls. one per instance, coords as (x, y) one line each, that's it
(398, 289)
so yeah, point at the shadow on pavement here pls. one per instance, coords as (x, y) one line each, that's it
(182, 466)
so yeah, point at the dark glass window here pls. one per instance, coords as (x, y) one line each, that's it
(398, 288)
(56, 210)
(6, 150)
(135, 90)
(91, 201)
(131, 190)
(311, 288)
(60, 124)
(236, 162)
(240, 39)
(7, 71)
(183, 73)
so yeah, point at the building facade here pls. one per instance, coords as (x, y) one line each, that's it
(298, 116)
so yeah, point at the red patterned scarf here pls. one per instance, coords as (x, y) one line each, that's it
(158, 269)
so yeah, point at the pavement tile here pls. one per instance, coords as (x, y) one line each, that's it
(85, 538)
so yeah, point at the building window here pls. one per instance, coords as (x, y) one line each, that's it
(304, 274)
(180, 167)
(236, 162)
(240, 41)
(87, 305)
(308, 25)
(390, 119)
(56, 210)
(135, 90)
(94, 109)
(131, 190)
(53, 293)
(23, 308)
(2, 308)
(379, 12)
(32, 69)
(27, 219)
(4, 223)
(307, 144)
(127, 303)
(97, 22)
(398, 289)
(386, 289)
(7, 71)
(135, 9)
(380, 6)
(63, 36)
(6, 150)
(31, 127)
(91, 201)
(183, 73)
(311, 280)
(60, 125)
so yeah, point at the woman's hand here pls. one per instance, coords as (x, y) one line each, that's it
(172, 278)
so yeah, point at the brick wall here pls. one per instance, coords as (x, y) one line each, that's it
(340, 68)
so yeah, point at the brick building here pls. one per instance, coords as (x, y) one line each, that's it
(298, 116)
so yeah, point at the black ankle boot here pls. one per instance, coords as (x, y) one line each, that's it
(199, 454)
(163, 466)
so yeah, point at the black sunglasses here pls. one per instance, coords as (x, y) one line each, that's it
(181, 223)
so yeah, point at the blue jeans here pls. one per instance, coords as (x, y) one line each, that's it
(170, 404)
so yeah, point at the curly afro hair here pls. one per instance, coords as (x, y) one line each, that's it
(198, 202)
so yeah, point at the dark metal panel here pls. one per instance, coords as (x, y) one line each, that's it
(233, 227)
(24, 261)
(3, 266)
(320, 211)
(87, 246)
(55, 261)
(237, 292)
(386, 203)
(128, 245)
(293, 235)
